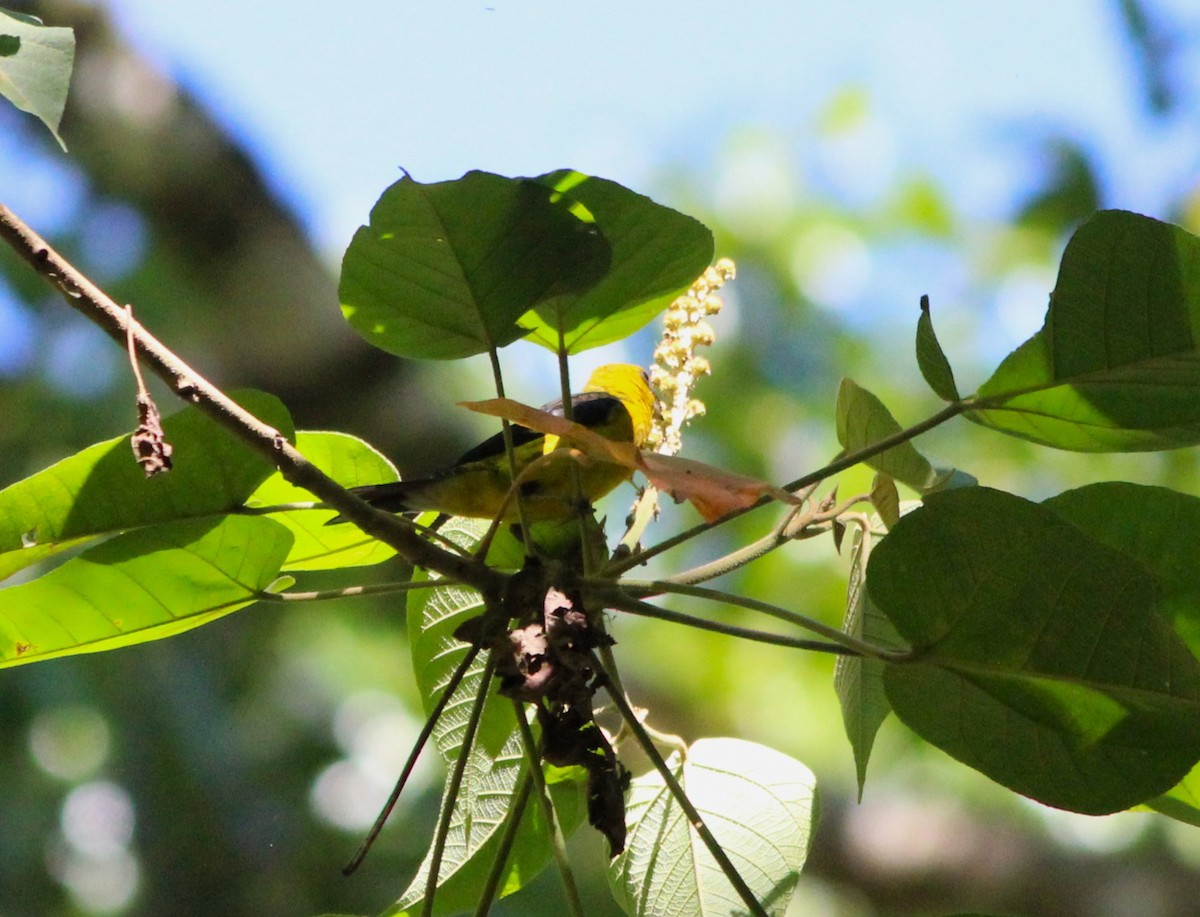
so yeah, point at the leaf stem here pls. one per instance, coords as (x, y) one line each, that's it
(456, 678)
(648, 588)
(646, 610)
(512, 822)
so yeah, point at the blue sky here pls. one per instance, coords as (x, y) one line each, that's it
(333, 102)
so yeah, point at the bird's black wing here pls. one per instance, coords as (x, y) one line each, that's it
(590, 409)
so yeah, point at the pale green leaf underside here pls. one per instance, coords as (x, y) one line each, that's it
(35, 68)
(760, 804)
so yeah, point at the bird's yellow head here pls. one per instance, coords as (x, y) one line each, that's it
(629, 384)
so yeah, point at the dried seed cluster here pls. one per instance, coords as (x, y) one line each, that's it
(677, 366)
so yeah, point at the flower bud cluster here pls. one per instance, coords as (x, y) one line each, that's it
(677, 366)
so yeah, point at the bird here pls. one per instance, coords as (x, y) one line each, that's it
(616, 403)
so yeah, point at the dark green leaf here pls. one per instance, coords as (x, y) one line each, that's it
(102, 490)
(1116, 366)
(657, 253)
(1158, 528)
(1042, 658)
(35, 67)
(444, 270)
(932, 359)
(143, 585)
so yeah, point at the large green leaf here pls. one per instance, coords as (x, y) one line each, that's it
(317, 546)
(102, 490)
(657, 253)
(759, 804)
(444, 270)
(497, 760)
(35, 67)
(1116, 366)
(1158, 528)
(143, 585)
(1042, 657)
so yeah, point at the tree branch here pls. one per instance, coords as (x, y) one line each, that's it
(88, 299)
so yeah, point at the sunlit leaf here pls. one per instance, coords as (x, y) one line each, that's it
(35, 67)
(759, 804)
(317, 546)
(143, 585)
(657, 253)
(1115, 367)
(1042, 656)
(101, 490)
(444, 270)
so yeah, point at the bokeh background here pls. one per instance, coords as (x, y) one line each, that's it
(849, 157)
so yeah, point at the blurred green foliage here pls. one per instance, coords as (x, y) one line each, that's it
(230, 742)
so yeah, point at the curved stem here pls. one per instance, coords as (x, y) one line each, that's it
(849, 460)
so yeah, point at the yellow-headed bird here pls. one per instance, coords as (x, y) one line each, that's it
(616, 403)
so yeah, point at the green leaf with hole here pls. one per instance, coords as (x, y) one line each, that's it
(657, 253)
(144, 585)
(1116, 366)
(1042, 657)
(317, 546)
(444, 270)
(35, 67)
(102, 490)
(760, 805)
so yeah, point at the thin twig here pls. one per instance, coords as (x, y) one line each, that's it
(454, 785)
(848, 460)
(426, 731)
(557, 842)
(646, 610)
